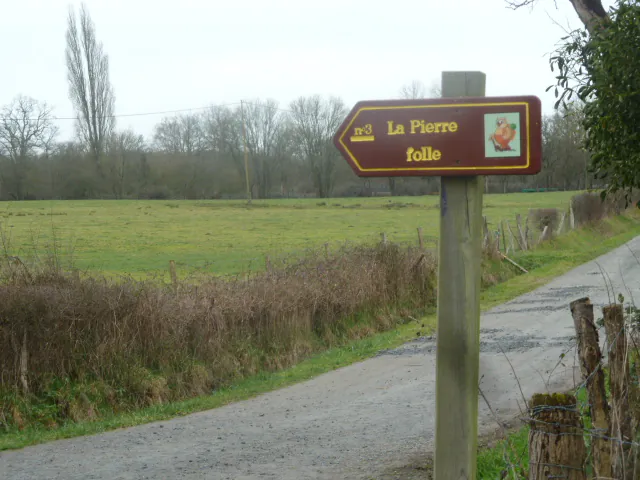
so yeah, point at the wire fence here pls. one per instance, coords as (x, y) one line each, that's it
(593, 430)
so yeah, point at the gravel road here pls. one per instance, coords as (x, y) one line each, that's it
(364, 421)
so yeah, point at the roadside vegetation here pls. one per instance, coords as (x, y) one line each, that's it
(82, 354)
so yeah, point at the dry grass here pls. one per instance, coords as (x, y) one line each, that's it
(91, 343)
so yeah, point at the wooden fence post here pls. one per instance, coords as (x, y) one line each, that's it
(590, 358)
(458, 333)
(619, 385)
(383, 236)
(24, 358)
(174, 275)
(420, 240)
(561, 225)
(556, 443)
(572, 218)
(504, 237)
(546, 234)
(512, 237)
(523, 238)
(485, 234)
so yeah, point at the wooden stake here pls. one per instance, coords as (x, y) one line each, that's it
(246, 153)
(513, 263)
(511, 237)
(590, 358)
(504, 238)
(383, 236)
(458, 334)
(556, 442)
(174, 275)
(24, 357)
(545, 235)
(485, 231)
(523, 238)
(561, 226)
(420, 240)
(619, 385)
(572, 218)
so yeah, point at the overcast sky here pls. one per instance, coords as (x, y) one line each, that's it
(170, 55)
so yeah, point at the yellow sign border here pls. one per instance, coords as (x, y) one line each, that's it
(456, 105)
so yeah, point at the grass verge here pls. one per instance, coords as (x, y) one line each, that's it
(544, 263)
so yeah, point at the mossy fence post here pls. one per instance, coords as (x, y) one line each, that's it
(590, 358)
(556, 443)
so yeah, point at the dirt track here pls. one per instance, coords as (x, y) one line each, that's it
(360, 422)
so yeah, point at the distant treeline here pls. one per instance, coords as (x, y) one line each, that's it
(289, 151)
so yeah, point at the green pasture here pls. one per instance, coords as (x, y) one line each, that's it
(139, 238)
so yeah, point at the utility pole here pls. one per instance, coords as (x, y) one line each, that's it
(246, 153)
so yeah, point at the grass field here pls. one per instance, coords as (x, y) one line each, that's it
(544, 263)
(223, 237)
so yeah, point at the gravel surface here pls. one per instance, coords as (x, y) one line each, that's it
(370, 420)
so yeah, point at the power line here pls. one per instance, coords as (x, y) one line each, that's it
(165, 112)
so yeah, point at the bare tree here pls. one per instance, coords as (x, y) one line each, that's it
(122, 147)
(180, 134)
(315, 122)
(26, 129)
(222, 134)
(415, 89)
(589, 11)
(90, 90)
(264, 127)
(412, 91)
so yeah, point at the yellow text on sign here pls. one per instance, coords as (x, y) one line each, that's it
(424, 154)
(421, 127)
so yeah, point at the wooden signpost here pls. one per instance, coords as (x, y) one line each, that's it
(459, 137)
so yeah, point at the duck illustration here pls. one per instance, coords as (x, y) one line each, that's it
(505, 132)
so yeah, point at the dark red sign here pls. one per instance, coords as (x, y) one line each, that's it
(444, 136)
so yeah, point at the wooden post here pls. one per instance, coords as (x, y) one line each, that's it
(24, 357)
(561, 226)
(523, 238)
(383, 236)
(174, 275)
(572, 218)
(545, 235)
(458, 334)
(619, 385)
(512, 237)
(590, 358)
(246, 153)
(556, 442)
(504, 238)
(420, 240)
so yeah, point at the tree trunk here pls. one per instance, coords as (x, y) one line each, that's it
(392, 186)
(589, 12)
(619, 385)
(590, 364)
(556, 444)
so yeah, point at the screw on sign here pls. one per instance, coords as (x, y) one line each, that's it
(460, 138)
